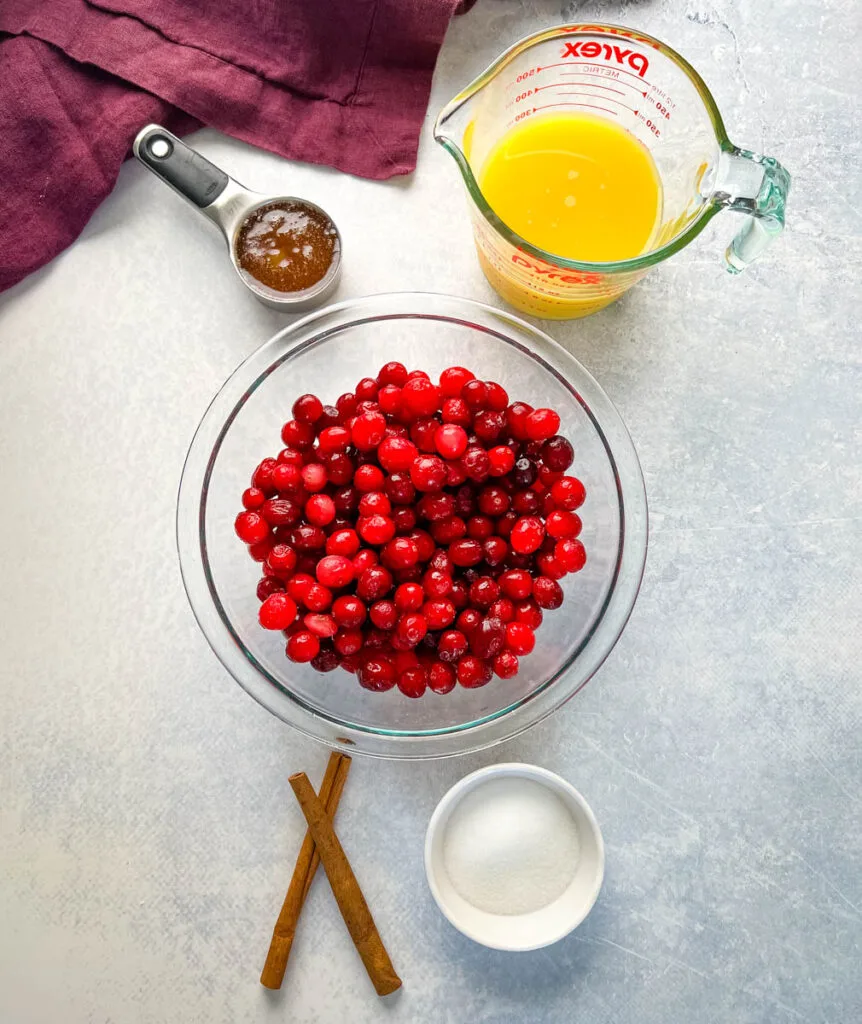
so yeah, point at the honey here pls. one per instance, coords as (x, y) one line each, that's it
(287, 245)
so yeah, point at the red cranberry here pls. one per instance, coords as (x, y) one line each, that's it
(568, 493)
(383, 614)
(366, 389)
(308, 538)
(493, 501)
(473, 672)
(453, 379)
(489, 425)
(465, 552)
(529, 612)
(465, 501)
(447, 530)
(376, 672)
(450, 440)
(436, 506)
(488, 638)
(368, 430)
(346, 500)
(502, 609)
(570, 554)
(297, 435)
(547, 593)
(268, 585)
(317, 597)
(441, 678)
(287, 477)
(436, 584)
(516, 418)
(339, 468)
(459, 595)
(452, 645)
(484, 592)
(410, 630)
(320, 509)
(281, 512)
(542, 424)
(389, 399)
(307, 408)
(409, 597)
(548, 565)
(520, 638)
(496, 397)
(374, 503)
(277, 612)
(428, 473)
(348, 641)
(335, 571)
(297, 586)
(558, 454)
(501, 460)
(438, 613)
(363, 560)
(516, 584)
(343, 542)
(376, 530)
(413, 681)
(524, 473)
(253, 497)
(333, 439)
(290, 457)
(323, 626)
(494, 550)
(251, 527)
(476, 463)
(475, 394)
(302, 646)
(326, 660)
(348, 611)
(424, 542)
(506, 665)
(422, 433)
(396, 454)
(456, 410)
(404, 519)
(375, 582)
(527, 534)
(420, 397)
(480, 527)
(346, 405)
(368, 478)
(281, 559)
(400, 488)
(392, 373)
(468, 620)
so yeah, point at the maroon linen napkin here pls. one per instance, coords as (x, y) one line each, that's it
(337, 82)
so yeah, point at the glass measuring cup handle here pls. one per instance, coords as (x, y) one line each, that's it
(755, 185)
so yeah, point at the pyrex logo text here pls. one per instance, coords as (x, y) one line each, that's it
(637, 61)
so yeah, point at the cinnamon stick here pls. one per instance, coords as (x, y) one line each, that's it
(346, 889)
(303, 875)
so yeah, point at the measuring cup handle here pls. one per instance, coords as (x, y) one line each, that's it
(758, 186)
(180, 166)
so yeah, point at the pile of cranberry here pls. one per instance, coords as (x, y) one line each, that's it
(414, 532)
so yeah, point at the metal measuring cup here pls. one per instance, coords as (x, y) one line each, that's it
(228, 204)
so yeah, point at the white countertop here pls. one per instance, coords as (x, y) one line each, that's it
(147, 828)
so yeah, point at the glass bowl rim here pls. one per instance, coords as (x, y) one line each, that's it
(292, 708)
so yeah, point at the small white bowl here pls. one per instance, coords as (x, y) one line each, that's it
(539, 927)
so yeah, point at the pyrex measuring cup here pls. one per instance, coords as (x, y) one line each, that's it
(643, 86)
(227, 204)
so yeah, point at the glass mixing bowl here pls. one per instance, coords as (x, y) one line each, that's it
(327, 353)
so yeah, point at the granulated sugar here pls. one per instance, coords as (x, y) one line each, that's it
(511, 846)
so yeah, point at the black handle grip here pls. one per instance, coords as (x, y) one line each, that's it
(184, 169)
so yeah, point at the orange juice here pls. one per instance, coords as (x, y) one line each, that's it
(575, 185)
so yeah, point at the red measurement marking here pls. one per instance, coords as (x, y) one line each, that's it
(617, 81)
(595, 85)
(593, 64)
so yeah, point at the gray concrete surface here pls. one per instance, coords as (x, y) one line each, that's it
(147, 824)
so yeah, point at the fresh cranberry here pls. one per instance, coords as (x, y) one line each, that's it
(374, 583)
(458, 595)
(475, 394)
(502, 609)
(307, 408)
(330, 417)
(342, 542)
(428, 473)
(291, 457)
(439, 613)
(456, 410)
(308, 538)
(323, 626)
(516, 418)
(484, 592)
(383, 614)
(496, 397)
(333, 439)
(412, 682)
(436, 584)
(376, 672)
(441, 678)
(368, 478)
(558, 454)
(363, 560)
(335, 571)
(447, 530)
(465, 552)
(346, 406)
(295, 434)
(409, 597)
(560, 523)
(494, 550)
(493, 501)
(318, 598)
(455, 474)
(480, 527)
(348, 641)
(392, 373)
(400, 553)
(348, 611)
(541, 424)
(253, 498)
(468, 620)
(376, 530)
(346, 500)
(568, 493)
(488, 638)
(424, 542)
(366, 389)
(501, 460)
(404, 519)
(570, 553)
(302, 646)
(489, 425)
(473, 672)
(527, 534)
(452, 381)
(506, 665)
(400, 488)
(452, 645)
(376, 638)
(548, 565)
(434, 507)
(476, 463)
(277, 612)
(298, 585)
(410, 630)
(420, 397)
(368, 430)
(389, 399)
(422, 433)
(326, 660)
(450, 440)
(526, 503)
(320, 510)
(516, 584)
(396, 454)
(339, 468)
(547, 593)
(281, 512)
(251, 527)
(268, 585)
(281, 559)
(374, 503)
(520, 638)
